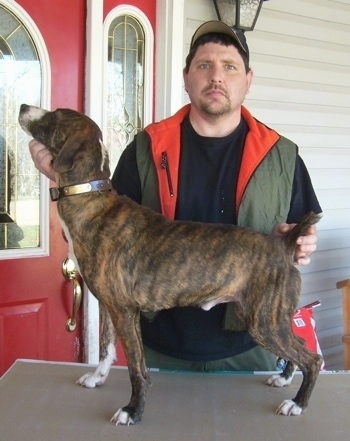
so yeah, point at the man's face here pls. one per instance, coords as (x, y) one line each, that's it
(217, 81)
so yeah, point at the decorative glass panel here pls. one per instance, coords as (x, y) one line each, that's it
(125, 100)
(20, 82)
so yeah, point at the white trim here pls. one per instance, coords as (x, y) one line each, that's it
(44, 248)
(94, 61)
(93, 108)
(91, 326)
(169, 57)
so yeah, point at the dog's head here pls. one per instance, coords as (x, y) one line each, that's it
(74, 140)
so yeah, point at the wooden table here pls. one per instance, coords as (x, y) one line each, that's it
(40, 402)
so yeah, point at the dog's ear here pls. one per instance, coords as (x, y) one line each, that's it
(65, 159)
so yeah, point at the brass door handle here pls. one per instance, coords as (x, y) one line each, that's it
(70, 273)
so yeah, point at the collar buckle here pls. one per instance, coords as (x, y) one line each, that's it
(55, 194)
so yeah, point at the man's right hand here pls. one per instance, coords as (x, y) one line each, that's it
(42, 158)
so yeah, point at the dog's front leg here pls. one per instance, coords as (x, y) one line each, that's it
(107, 353)
(128, 330)
(284, 378)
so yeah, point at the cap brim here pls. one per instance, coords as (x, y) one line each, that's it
(218, 27)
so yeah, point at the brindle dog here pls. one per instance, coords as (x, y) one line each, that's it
(133, 259)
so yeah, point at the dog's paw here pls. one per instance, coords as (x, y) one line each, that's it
(91, 380)
(100, 375)
(278, 380)
(122, 417)
(289, 407)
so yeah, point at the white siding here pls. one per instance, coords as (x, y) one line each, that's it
(300, 54)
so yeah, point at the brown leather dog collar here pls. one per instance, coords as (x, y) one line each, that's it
(88, 187)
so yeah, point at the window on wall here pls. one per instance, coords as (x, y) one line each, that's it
(20, 82)
(125, 83)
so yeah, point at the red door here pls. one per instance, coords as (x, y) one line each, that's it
(35, 299)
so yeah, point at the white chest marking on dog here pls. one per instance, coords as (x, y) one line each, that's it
(104, 154)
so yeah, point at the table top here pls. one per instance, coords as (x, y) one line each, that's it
(40, 401)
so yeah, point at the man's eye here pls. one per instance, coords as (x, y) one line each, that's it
(230, 67)
(204, 66)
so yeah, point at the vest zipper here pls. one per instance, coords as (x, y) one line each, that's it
(165, 166)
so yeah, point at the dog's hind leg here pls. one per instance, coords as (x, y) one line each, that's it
(293, 349)
(129, 333)
(107, 352)
(309, 363)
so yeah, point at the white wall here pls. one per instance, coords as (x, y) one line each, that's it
(300, 54)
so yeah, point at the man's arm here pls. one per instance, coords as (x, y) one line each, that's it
(303, 200)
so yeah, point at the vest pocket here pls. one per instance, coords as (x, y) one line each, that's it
(165, 166)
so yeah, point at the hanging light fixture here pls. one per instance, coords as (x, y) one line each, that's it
(239, 14)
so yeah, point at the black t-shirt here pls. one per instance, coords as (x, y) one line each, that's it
(207, 187)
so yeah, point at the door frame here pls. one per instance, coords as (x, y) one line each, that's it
(169, 58)
(96, 57)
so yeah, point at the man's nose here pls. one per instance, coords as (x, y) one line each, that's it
(215, 75)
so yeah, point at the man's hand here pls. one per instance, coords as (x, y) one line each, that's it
(305, 245)
(42, 158)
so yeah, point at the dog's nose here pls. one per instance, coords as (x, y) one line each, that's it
(24, 107)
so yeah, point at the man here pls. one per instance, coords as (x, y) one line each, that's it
(213, 162)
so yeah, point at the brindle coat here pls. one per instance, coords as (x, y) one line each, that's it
(133, 259)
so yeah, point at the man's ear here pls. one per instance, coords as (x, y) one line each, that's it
(184, 76)
(250, 75)
(65, 159)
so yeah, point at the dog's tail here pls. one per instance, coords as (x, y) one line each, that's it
(300, 229)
